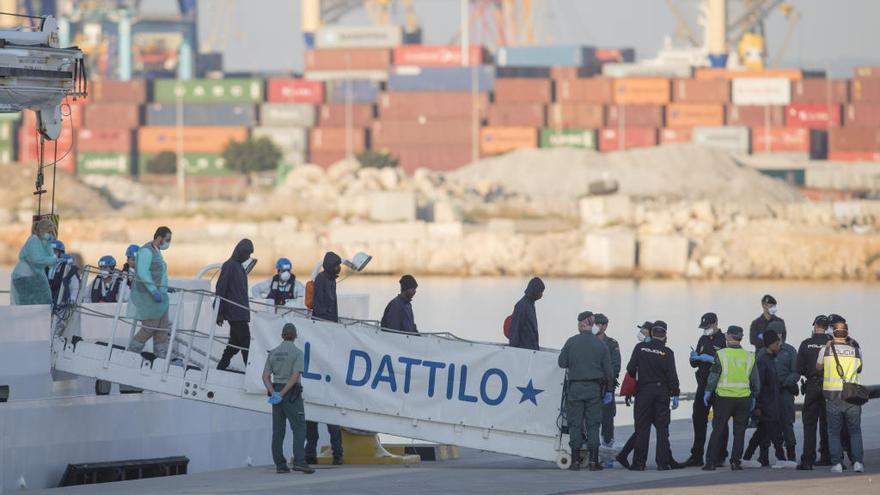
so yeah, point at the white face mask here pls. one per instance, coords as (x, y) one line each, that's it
(285, 276)
(829, 331)
(595, 329)
(772, 310)
(707, 331)
(105, 273)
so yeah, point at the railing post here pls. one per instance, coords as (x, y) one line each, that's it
(173, 335)
(195, 326)
(210, 341)
(116, 313)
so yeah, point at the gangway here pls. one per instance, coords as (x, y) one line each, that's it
(431, 387)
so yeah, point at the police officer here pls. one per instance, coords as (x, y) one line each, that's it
(768, 314)
(589, 374)
(609, 410)
(734, 381)
(653, 365)
(281, 376)
(814, 402)
(702, 358)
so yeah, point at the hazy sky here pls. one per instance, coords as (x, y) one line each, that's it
(264, 35)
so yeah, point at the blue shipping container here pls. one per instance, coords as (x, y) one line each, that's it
(202, 114)
(362, 91)
(547, 56)
(441, 78)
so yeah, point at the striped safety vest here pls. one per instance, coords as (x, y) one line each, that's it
(850, 360)
(736, 368)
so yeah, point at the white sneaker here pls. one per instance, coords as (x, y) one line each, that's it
(858, 467)
(837, 468)
(750, 464)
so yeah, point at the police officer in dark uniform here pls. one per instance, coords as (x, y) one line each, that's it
(702, 358)
(768, 314)
(589, 374)
(814, 401)
(653, 365)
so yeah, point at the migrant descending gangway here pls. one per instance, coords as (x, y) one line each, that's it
(432, 387)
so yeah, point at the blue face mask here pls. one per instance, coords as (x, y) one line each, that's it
(165, 245)
(48, 237)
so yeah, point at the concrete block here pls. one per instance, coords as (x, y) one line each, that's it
(501, 225)
(601, 211)
(388, 232)
(396, 206)
(611, 253)
(446, 230)
(847, 210)
(663, 254)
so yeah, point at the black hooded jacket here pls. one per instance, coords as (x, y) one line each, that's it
(232, 285)
(399, 315)
(324, 306)
(524, 323)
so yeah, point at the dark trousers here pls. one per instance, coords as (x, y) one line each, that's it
(608, 413)
(768, 432)
(786, 419)
(738, 408)
(291, 411)
(239, 336)
(813, 414)
(312, 440)
(700, 420)
(652, 409)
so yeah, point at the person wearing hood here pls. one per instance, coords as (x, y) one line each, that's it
(768, 314)
(232, 293)
(787, 375)
(524, 321)
(399, 313)
(767, 409)
(30, 285)
(325, 305)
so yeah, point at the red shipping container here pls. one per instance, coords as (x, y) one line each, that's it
(523, 91)
(108, 90)
(62, 149)
(389, 134)
(755, 116)
(813, 115)
(867, 71)
(295, 91)
(440, 157)
(695, 91)
(862, 115)
(431, 105)
(437, 55)
(348, 59)
(854, 156)
(866, 89)
(326, 158)
(105, 140)
(854, 139)
(634, 116)
(786, 139)
(336, 139)
(563, 73)
(335, 115)
(576, 115)
(694, 114)
(517, 115)
(820, 91)
(615, 54)
(71, 115)
(671, 135)
(641, 90)
(611, 139)
(112, 115)
(592, 90)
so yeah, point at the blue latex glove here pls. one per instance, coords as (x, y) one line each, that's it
(706, 358)
(157, 296)
(753, 404)
(608, 399)
(275, 399)
(695, 356)
(675, 403)
(761, 336)
(706, 397)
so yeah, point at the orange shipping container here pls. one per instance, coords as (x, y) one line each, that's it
(326, 158)
(322, 139)
(114, 115)
(431, 105)
(694, 114)
(641, 91)
(107, 90)
(635, 116)
(195, 139)
(348, 59)
(862, 115)
(523, 91)
(786, 139)
(105, 140)
(706, 91)
(866, 90)
(576, 115)
(867, 71)
(675, 136)
(389, 134)
(517, 114)
(755, 116)
(592, 90)
(854, 156)
(634, 137)
(706, 73)
(336, 115)
(820, 91)
(72, 116)
(496, 140)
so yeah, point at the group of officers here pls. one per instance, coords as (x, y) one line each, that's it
(736, 384)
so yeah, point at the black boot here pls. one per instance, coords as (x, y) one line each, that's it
(791, 454)
(693, 462)
(594, 461)
(575, 463)
(805, 464)
(621, 458)
(735, 466)
(824, 460)
(673, 464)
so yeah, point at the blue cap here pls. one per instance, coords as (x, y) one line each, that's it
(283, 264)
(56, 244)
(107, 260)
(132, 250)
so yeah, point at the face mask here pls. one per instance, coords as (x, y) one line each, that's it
(48, 237)
(707, 331)
(165, 245)
(595, 329)
(828, 331)
(105, 273)
(285, 276)
(640, 337)
(772, 310)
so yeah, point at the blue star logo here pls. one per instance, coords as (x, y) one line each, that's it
(530, 393)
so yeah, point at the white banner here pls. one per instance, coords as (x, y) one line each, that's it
(361, 368)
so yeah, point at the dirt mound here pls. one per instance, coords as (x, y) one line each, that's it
(72, 197)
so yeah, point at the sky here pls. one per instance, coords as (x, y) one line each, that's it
(264, 35)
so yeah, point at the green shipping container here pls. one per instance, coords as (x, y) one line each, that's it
(103, 163)
(7, 131)
(10, 116)
(568, 138)
(194, 163)
(208, 90)
(7, 152)
(793, 176)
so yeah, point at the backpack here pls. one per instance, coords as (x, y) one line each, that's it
(506, 326)
(310, 294)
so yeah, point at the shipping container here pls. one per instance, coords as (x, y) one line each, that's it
(866, 90)
(731, 139)
(867, 71)
(432, 157)
(523, 91)
(103, 163)
(854, 139)
(193, 139)
(7, 153)
(522, 73)
(862, 115)
(337, 139)
(820, 91)
(755, 116)
(348, 59)
(287, 139)
(288, 114)
(438, 55)
(606, 55)
(208, 91)
(694, 114)
(432, 105)
(294, 91)
(641, 70)
(817, 115)
(7, 131)
(568, 138)
(326, 158)
(671, 135)
(793, 176)
(354, 91)
(327, 76)
(62, 148)
(641, 91)
(193, 164)
(566, 73)
(517, 115)
(479, 79)
(497, 140)
(112, 115)
(576, 115)
(695, 91)
(337, 115)
(593, 90)
(854, 156)
(634, 116)
(760, 91)
(780, 139)
(547, 56)
(339, 36)
(105, 140)
(703, 73)
(612, 139)
(72, 115)
(108, 90)
(201, 114)
(390, 134)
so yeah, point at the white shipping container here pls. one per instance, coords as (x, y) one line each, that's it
(732, 138)
(288, 139)
(288, 114)
(761, 91)
(623, 69)
(347, 75)
(359, 37)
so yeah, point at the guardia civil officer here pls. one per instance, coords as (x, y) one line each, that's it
(702, 358)
(589, 373)
(609, 408)
(281, 376)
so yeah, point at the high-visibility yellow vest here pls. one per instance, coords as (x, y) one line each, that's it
(850, 361)
(736, 368)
